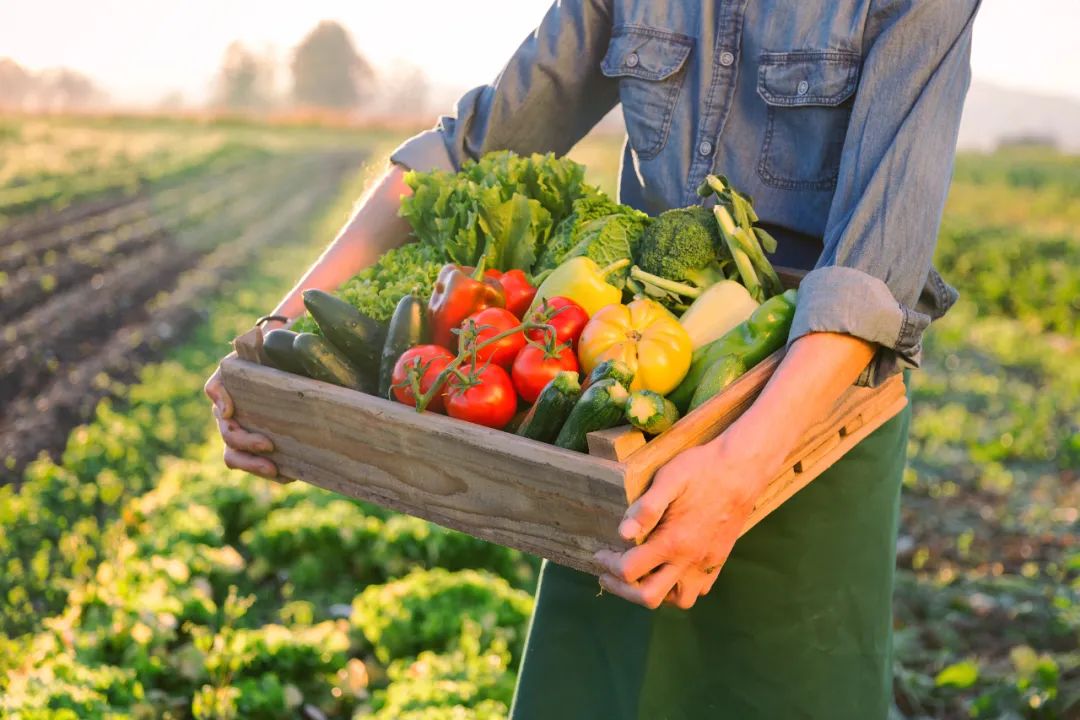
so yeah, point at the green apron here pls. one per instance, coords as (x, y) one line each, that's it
(798, 625)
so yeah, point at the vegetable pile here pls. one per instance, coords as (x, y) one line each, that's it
(532, 302)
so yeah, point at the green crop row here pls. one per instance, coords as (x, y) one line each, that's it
(142, 579)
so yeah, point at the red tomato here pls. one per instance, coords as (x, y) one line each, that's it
(568, 322)
(491, 402)
(497, 320)
(533, 369)
(434, 359)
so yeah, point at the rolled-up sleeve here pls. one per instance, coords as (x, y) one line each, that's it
(549, 95)
(894, 176)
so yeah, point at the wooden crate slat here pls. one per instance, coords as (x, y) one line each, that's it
(494, 485)
(616, 443)
(791, 482)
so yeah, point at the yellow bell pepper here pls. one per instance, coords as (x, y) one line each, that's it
(584, 282)
(646, 337)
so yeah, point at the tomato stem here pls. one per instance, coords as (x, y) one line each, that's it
(422, 401)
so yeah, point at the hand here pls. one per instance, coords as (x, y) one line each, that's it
(242, 448)
(689, 518)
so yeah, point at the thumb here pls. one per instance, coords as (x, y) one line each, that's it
(215, 390)
(645, 513)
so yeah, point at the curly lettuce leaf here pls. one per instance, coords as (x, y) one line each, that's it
(598, 228)
(502, 207)
(376, 290)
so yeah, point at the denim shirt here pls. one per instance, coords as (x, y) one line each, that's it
(839, 118)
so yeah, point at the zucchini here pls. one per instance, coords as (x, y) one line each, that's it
(599, 408)
(323, 361)
(650, 412)
(552, 408)
(278, 345)
(610, 369)
(408, 328)
(356, 335)
(515, 422)
(718, 376)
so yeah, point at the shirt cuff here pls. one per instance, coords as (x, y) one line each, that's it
(845, 300)
(424, 152)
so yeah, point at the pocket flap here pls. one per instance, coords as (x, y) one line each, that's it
(808, 77)
(645, 53)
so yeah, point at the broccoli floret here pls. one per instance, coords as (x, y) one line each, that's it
(679, 241)
(678, 256)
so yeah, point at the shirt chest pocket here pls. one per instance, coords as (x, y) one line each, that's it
(809, 97)
(648, 63)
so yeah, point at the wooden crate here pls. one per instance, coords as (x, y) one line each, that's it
(554, 503)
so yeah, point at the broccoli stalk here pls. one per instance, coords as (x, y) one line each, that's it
(668, 286)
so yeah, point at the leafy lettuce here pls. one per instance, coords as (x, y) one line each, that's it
(501, 208)
(599, 228)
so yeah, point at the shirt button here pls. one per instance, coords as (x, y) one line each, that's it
(803, 88)
(632, 60)
(705, 148)
(726, 58)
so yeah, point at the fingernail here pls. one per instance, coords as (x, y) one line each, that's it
(629, 529)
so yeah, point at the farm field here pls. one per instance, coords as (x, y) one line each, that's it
(141, 579)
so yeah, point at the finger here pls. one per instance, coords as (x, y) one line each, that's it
(712, 576)
(238, 438)
(644, 514)
(215, 390)
(709, 582)
(254, 464)
(650, 592)
(635, 563)
(687, 590)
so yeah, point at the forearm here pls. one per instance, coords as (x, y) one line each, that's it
(372, 229)
(814, 373)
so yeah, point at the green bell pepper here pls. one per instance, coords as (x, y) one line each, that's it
(718, 364)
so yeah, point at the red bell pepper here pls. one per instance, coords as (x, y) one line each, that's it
(519, 291)
(459, 292)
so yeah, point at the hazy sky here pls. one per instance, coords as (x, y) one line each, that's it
(142, 49)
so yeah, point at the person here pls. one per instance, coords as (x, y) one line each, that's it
(840, 118)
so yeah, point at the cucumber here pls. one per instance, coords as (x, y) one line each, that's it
(718, 376)
(599, 408)
(613, 369)
(699, 363)
(278, 345)
(323, 361)
(650, 412)
(408, 328)
(552, 408)
(356, 335)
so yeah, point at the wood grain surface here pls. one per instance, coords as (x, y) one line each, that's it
(494, 485)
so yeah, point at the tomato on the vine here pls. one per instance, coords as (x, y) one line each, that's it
(568, 320)
(492, 322)
(487, 398)
(432, 359)
(534, 368)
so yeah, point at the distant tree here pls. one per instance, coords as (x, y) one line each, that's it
(1029, 140)
(405, 91)
(66, 89)
(16, 84)
(172, 101)
(245, 80)
(327, 70)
